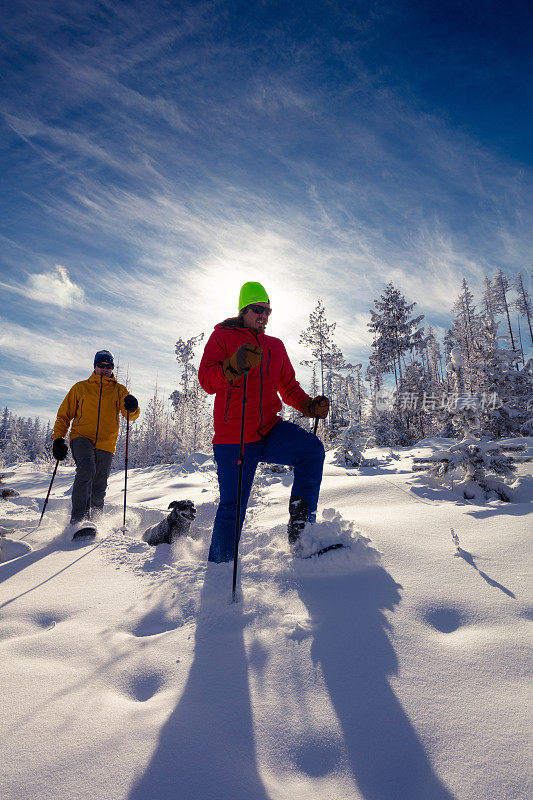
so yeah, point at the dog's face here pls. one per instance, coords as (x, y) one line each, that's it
(182, 510)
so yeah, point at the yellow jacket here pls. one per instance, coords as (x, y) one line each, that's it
(94, 405)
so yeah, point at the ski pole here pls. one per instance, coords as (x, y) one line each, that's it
(317, 419)
(48, 495)
(126, 464)
(239, 489)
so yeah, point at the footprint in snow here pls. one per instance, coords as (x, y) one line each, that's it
(142, 688)
(445, 620)
(317, 757)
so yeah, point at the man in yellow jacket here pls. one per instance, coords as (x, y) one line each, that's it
(94, 406)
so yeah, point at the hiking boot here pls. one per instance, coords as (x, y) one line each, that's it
(298, 516)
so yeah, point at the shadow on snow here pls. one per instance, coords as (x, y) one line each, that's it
(356, 656)
(206, 748)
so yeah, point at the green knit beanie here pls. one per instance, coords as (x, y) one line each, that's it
(252, 293)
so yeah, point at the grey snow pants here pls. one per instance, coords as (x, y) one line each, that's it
(90, 484)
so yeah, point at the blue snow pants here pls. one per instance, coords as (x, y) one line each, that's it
(285, 444)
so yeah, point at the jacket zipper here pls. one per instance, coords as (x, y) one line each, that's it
(261, 396)
(268, 362)
(227, 405)
(261, 390)
(98, 417)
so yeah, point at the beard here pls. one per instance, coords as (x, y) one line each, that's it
(258, 328)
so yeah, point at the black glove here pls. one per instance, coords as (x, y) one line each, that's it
(130, 403)
(59, 449)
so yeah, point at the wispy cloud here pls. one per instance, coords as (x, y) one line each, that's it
(56, 287)
(41, 347)
(53, 287)
(168, 160)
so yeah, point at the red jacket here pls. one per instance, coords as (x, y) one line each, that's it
(274, 374)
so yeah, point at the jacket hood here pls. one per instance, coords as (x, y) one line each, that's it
(231, 322)
(236, 324)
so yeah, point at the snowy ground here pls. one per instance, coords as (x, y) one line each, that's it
(128, 673)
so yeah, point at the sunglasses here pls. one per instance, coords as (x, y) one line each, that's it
(261, 310)
(105, 366)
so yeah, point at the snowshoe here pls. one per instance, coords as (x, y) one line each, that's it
(335, 546)
(84, 530)
(299, 516)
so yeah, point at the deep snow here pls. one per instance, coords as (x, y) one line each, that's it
(398, 670)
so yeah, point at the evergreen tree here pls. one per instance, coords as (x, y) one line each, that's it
(355, 392)
(415, 387)
(475, 468)
(350, 444)
(4, 427)
(394, 332)
(318, 336)
(464, 326)
(335, 389)
(488, 297)
(15, 448)
(184, 350)
(190, 403)
(463, 411)
(501, 287)
(313, 389)
(434, 358)
(151, 442)
(506, 393)
(523, 302)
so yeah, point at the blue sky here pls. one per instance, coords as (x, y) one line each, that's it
(156, 155)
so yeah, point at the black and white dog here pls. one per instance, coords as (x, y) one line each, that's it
(177, 523)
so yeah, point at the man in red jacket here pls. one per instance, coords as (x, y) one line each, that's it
(238, 345)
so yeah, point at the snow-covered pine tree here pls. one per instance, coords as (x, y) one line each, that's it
(476, 464)
(523, 302)
(184, 350)
(47, 438)
(395, 334)
(350, 444)
(335, 389)
(15, 447)
(318, 337)
(474, 467)
(154, 441)
(504, 393)
(488, 297)
(463, 409)
(501, 306)
(189, 403)
(416, 387)
(382, 417)
(434, 357)
(464, 329)
(448, 344)
(4, 427)
(314, 389)
(33, 439)
(394, 331)
(356, 392)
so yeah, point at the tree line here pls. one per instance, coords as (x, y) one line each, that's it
(408, 391)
